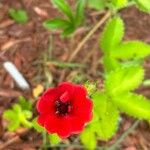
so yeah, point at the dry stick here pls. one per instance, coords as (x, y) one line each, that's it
(87, 37)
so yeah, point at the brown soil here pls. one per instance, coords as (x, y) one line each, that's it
(28, 56)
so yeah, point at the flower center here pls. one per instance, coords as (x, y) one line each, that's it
(62, 109)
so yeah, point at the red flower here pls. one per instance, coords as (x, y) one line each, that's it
(65, 109)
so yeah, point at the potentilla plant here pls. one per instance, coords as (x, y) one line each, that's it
(70, 109)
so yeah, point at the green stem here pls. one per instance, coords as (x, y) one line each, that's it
(44, 140)
(124, 135)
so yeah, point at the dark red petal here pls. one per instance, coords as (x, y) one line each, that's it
(59, 125)
(47, 101)
(66, 86)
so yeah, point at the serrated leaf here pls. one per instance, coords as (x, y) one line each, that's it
(80, 12)
(110, 63)
(64, 7)
(134, 105)
(119, 3)
(144, 5)
(131, 50)
(96, 4)
(100, 102)
(54, 139)
(56, 23)
(19, 15)
(107, 124)
(112, 34)
(124, 79)
(88, 139)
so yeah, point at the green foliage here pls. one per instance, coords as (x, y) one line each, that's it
(108, 116)
(119, 3)
(124, 79)
(36, 126)
(88, 138)
(19, 15)
(96, 4)
(130, 50)
(17, 117)
(72, 19)
(112, 34)
(134, 105)
(143, 5)
(24, 103)
(54, 139)
(56, 23)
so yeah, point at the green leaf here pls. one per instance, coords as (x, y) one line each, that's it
(88, 139)
(108, 117)
(134, 105)
(54, 139)
(131, 50)
(19, 15)
(96, 4)
(119, 3)
(17, 117)
(67, 31)
(13, 123)
(124, 79)
(64, 7)
(56, 23)
(80, 12)
(112, 34)
(100, 102)
(110, 63)
(24, 103)
(36, 126)
(144, 5)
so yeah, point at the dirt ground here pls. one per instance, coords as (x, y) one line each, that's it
(28, 45)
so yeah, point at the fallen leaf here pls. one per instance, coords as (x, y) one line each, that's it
(37, 90)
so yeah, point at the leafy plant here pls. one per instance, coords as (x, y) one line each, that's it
(19, 115)
(19, 15)
(71, 21)
(123, 74)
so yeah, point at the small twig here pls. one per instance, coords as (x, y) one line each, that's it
(87, 37)
(124, 135)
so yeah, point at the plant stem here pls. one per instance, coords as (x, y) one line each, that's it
(44, 141)
(87, 37)
(124, 135)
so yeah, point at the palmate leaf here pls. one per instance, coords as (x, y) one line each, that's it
(110, 63)
(64, 7)
(119, 3)
(131, 50)
(124, 79)
(17, 117)
(108, 117)
(112, 34)
(88, 139)
(144, 5)
(134, 105)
